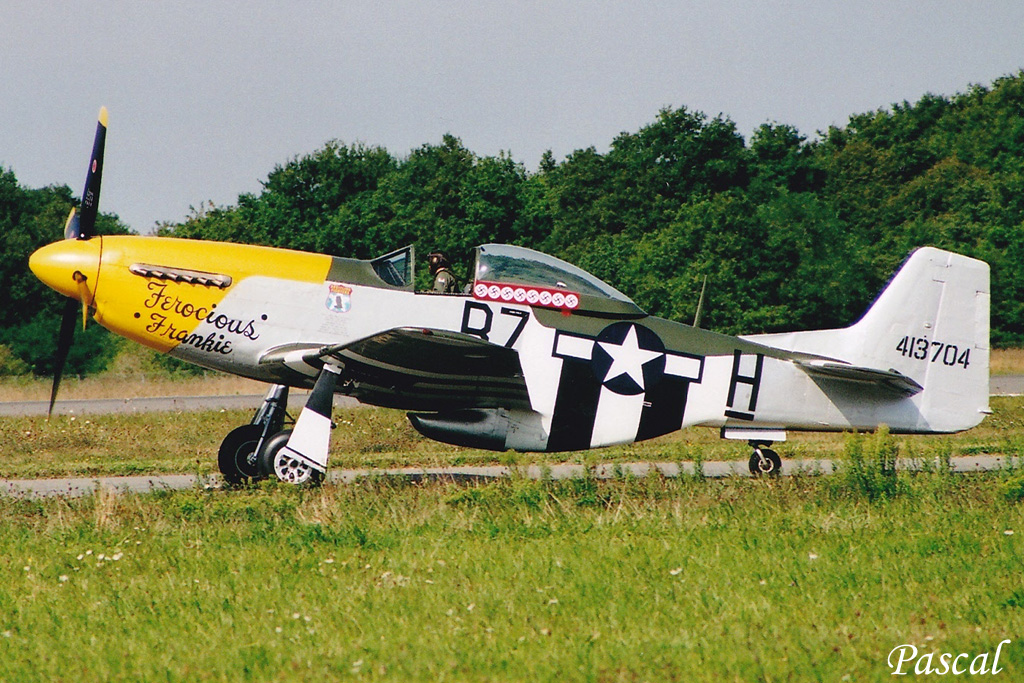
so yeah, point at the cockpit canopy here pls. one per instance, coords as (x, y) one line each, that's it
(520, 275)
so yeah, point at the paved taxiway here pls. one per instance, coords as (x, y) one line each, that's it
(83, 485)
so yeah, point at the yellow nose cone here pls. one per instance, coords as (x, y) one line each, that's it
(72, 267)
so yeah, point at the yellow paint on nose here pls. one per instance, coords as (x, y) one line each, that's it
(62, 266)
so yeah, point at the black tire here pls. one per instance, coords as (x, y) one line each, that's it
(273, 463)
(237, 456)
(770, 465)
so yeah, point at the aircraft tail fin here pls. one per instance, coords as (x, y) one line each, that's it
(931, 325)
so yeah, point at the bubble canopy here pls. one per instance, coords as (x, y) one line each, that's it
(512, 265)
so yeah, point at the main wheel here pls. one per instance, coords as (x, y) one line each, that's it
(274, 461)
(237, 456)
(765, 461)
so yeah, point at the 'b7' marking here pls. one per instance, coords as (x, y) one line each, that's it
(478, 319)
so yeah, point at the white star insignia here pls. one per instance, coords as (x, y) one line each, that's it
(628, 358)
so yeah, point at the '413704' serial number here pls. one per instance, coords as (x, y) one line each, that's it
(934, 351)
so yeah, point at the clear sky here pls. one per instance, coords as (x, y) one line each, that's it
(205, 98)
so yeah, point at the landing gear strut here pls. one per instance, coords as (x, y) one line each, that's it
(299, 455)
(764, 461)
(237, 456)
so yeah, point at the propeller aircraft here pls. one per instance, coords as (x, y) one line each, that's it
(537, 355)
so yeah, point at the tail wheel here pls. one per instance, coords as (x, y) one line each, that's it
(237, 456)
(274, 460)
(765, 462)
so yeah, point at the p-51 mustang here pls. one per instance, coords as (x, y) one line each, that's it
(538, 355)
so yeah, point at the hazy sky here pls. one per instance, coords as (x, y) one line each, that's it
(205, 98)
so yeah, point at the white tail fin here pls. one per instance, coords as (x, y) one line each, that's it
(930, 323)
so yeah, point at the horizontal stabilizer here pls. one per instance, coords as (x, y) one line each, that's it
(889, 381)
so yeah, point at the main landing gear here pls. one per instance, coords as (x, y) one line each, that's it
(297, 456)
(764, 461)
(237, 458)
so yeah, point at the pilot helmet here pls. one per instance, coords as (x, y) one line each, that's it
(436, 260)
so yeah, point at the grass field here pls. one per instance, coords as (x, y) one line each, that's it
(805, 579)
(635, 580)
(1007, 362)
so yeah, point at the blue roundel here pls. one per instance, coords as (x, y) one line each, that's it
(628, 358)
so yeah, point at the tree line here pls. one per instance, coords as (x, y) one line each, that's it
(791, 232)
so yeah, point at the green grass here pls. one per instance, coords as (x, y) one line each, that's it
(155, 443)
(799, 579)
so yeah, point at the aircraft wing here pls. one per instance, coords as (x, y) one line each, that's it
(421, 369)
(887, 381)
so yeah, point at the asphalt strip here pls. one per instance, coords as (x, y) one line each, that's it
(81, 486)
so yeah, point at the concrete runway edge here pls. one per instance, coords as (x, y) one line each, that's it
(82, 486)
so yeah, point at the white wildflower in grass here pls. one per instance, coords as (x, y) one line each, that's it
(1008, 532)
(63, 578)
(296, 615)
(117, 556)
(278, 629)
(80, 556)
(812, 556)
(470, 607)
(553, 601)
(307, 619)
(88, 552)
(676, 572)
(329, 560)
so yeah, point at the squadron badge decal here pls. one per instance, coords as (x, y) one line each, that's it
(339, 299)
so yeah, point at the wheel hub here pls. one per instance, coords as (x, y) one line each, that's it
(291, 470)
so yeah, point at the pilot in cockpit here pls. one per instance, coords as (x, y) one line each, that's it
(444, 279)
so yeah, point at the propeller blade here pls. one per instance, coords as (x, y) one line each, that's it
(83, 296)
(80, 225)
(86, 224)
(72, 226)
(64, 337)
